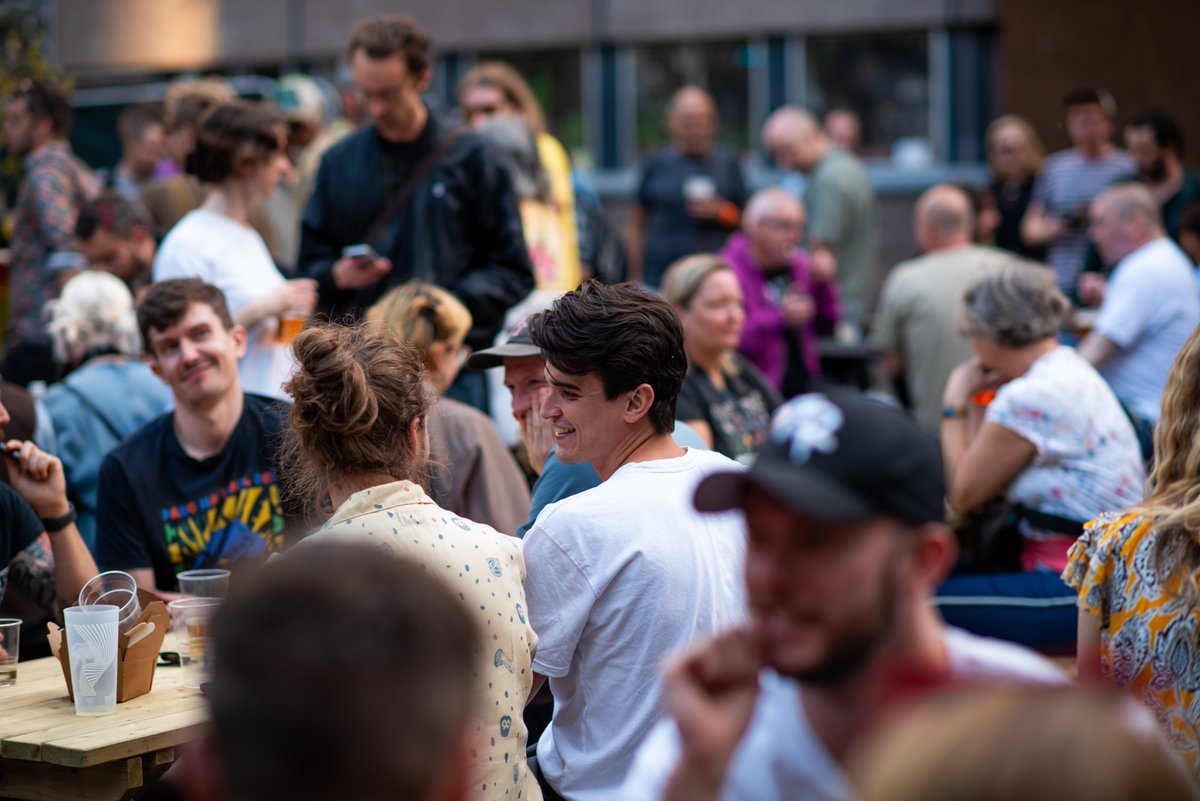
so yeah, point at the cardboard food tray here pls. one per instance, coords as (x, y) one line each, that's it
(136, 664)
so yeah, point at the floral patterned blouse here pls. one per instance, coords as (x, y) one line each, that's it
(1149, 636)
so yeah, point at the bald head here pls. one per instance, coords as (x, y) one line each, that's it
(794, 139)
(771, 202)
(1124, 218)
(692, 121)
(774, 225)
(943, 218)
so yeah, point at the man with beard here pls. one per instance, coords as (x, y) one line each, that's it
(1156, 145)
(844, 508)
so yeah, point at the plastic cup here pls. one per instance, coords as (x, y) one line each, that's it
(10, 650)
(191, 618)
(92, 644)
(114, 588)
(211, 583)
(289, 326)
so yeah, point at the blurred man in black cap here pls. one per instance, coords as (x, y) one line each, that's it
(844, 508)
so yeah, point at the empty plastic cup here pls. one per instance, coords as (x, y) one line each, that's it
(114, 588)
(191, 618)
(92, 645)
(10, 650)
(208, 583)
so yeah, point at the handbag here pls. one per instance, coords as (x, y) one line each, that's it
(990, 537)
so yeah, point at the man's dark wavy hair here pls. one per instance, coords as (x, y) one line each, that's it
(624, 334)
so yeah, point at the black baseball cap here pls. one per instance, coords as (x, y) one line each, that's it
(517, 346)
(840, 458)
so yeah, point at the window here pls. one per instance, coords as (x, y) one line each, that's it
(884, 79)
(721, 68)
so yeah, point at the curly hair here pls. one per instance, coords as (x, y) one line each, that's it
(356, 392)
(622, 333)
(95, 311)
(381, 37)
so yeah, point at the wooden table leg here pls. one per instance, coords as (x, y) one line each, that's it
(40, 781)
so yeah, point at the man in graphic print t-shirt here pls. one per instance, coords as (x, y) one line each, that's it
(196, 487)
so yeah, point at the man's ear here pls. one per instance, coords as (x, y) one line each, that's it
(240, 339)
(935, 553)
(424, 78)
(639, 403)
(152, 362)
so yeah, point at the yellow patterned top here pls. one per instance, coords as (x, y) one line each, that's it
(1149, 635)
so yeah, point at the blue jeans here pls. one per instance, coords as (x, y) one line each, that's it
(1036, 608)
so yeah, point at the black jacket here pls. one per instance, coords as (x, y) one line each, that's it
(461, 229)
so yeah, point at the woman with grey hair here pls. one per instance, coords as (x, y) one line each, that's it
(1029, 420)
(109, 392)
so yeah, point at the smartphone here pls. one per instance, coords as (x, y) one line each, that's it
(363, 252)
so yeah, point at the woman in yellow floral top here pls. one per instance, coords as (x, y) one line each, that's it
(1138, 575)
(357, 440)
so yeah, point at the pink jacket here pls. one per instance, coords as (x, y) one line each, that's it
(763, 340)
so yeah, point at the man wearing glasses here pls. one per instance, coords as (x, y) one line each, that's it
(407, 196)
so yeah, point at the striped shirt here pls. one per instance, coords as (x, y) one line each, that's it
(1066, 186)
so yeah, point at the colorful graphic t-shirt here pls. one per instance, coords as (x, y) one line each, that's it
(1149, 632)
(486, 570)
(739, 415)
(160, 508)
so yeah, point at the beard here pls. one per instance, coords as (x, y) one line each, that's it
(853, 645)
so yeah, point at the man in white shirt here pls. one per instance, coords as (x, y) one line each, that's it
(844, 508)
(624, 573)
(1150, 305)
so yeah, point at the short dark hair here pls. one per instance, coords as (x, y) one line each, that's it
(165, 303)
(233, 131)
(624, 334)
(380, 37)
(340, 672)
(1166, 130)
(136, 120)
(110, 211)
(46, 101)
(1091, 96)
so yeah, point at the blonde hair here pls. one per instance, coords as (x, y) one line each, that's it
(95, 311)
(682, 281)
(504, 77)
(1033, 744)
(1172, 497)
(1036, 153)
(422, 314)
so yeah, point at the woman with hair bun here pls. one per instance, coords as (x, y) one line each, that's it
(356, 442)
(471, 472)
(240, 157)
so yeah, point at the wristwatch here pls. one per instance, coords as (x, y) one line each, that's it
(52, 525)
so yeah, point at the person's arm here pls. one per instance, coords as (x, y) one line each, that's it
(980, 457)
(1097, 349)
(1038, 227)
(52, 195)
(1087, 648)
(297, 296)
(504, 273)
(710, 692)
(39, 479)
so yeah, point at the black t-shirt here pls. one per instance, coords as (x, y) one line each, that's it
(160, 508)
(739, 415)
(19, 526)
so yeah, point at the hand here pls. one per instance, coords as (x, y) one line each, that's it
(1091, 289)
(967, 380)
(708, 208)
(359, 273)
(537, 434)
(824, 265)
(298, 297)
(798, 308)
(38, 478)
(710, 692)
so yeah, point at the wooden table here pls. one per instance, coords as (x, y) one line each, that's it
(47, 753)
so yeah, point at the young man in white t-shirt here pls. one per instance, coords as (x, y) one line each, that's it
(626, 572)
(844, 507)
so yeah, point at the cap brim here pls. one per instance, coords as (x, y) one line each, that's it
(808, 492)
(494, 357)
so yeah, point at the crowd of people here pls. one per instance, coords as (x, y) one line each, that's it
(589, 514)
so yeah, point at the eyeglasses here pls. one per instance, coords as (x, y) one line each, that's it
(486, 110)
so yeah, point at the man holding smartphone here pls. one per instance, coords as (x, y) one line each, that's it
(408, 196)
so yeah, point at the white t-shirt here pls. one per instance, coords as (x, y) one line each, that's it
(618, 577)
(781, 757)
(1150, 308)
(1088, 460)
(233, 258)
